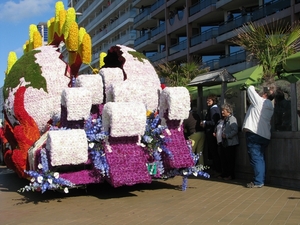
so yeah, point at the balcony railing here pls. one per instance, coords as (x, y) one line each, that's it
(140, 40)
(89, 9)
(200, 6)
(270, 8)
(158, 29)
(142, 15)
(234, 58)
(104, 13)
(178, 47)
(114, 26)
(237, 22)
(156, 5)
(206, 35)
(158, 56)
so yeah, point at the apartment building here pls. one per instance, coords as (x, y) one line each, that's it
(108, 22)
(178, 30)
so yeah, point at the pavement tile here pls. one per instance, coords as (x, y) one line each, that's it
(206, 201)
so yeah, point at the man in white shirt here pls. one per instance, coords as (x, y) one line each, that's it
(257, 125)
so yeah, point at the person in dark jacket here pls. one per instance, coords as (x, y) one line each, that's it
(212, 117)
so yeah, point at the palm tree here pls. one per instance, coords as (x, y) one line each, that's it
(270, 44)
(179, 74)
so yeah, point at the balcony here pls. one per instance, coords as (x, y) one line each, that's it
(270, 8)
(142, 39)
(178, 47)
(206, 35)
(104, 14)
(116, 25)
(234, 58)
(236, 23)
(156, 5)
(200, 6)
(158, 56)
(157, 30)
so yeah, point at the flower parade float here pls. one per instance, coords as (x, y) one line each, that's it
(117, 125)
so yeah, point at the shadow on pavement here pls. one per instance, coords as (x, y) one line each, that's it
(10, 182)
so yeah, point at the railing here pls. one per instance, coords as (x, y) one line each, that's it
(89, 9)
(237, 22)
(104, 13)
(200, 6)
(270, 8)
(142, 15)
(212, 64)
(178, 47)
(158, 56)
(142, 39)
(156, 5)
(113, 26)
(158, 29)
(234, 58)
(206, 35)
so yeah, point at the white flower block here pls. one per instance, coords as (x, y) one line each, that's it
(111, 76)
(67, 147)
(78, 101)
(92, 82)
(177, 101)
(131, 91)
(124, 119)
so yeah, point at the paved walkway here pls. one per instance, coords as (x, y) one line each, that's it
(206, 201)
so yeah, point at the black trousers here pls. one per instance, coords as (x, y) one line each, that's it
(228, 157)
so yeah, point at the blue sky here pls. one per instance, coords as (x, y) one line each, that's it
(15, 18)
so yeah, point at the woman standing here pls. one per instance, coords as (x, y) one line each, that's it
(230, 141)
(211, 119)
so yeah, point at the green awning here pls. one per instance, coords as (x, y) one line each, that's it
(249, 76)
(290, 70)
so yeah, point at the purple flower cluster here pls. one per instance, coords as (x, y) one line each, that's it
(95, 135)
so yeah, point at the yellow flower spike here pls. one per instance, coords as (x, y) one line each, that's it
(11, 59)
(32, 29)
(58, 7)
(72, 40)
(50, 25)
(81, 33)
(86, 49)
(37, 40)
(101, 59)
(72, 57)
(62, 19)
(70, 18)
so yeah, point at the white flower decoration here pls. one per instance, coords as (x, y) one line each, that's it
(40, 179)
(56, 175)
(66, 190)
(40, 166)
(91, 145)
(159, 149)
(32, 179)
